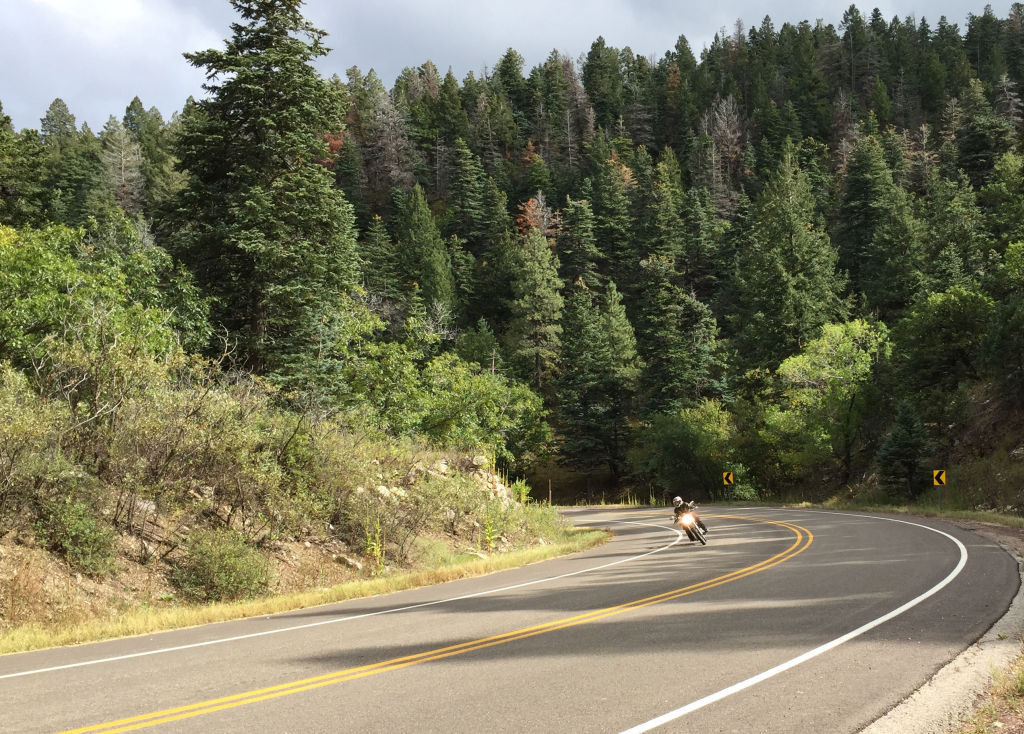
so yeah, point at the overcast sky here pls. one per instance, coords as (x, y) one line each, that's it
(98, 54)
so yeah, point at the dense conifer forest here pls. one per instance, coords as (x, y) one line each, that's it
(797, 256)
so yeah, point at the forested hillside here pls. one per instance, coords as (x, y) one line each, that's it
(798, 256)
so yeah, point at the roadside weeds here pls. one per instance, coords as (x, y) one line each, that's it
(1002, 708)
(147, 621)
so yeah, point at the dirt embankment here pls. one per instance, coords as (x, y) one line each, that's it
(39, 587)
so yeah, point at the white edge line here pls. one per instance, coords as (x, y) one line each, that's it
(679, 537)
(781, 668)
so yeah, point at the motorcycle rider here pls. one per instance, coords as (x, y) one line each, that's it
(683, 507)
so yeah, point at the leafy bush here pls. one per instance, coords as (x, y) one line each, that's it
(73, 530)
(523, 524)
(220, 566)
(469, 408)
(940, 341)
(686, 452)
(31, 459)
(205, 442)
(745, 491)
(826, 390)
(520, 490)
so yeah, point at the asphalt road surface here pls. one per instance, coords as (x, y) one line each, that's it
(787, 621)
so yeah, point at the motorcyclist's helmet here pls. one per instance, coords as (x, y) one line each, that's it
(677, 501)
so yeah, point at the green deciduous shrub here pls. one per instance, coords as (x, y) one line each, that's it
(71, 528)
(220, 566)
(31, 460)
(686, 452)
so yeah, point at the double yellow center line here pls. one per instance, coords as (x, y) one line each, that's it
(803, 540)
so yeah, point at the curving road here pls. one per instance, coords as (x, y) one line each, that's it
(788, 620)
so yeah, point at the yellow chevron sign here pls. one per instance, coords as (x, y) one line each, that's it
(727, 478)
(938, 477)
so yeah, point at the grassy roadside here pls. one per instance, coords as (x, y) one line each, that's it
(147, 621)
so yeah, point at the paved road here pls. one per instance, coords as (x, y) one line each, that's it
(787, 621)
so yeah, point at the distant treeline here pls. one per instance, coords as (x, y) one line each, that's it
(798, 257)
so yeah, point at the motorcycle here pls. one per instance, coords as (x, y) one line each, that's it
(692, 528)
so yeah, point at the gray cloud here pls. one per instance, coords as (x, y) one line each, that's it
(98, 54)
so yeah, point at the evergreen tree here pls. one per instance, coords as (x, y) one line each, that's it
(58, 126)
(982, 135)
(494, 135)
(808, 88)
(534, 177)
(74, 175)
(901, 453)
(879, 102)
(534, 335)
(260, 222)
(424, 259)
(626, 368)
(678, 104)
(508, 75)
(786, 284)
(549, 106)
(1004, 343)
(494, 262)
(612, 223)
(577, 247)
(122, 164)
(1002, 200)
(466, 198)
(452, 121)
(479, 344)
(389, 156)
(464, 273)
(602, 78)
(892, 264)
(22, 172)
(641, 194)
(956, 240)
(983, 41)
(379, 261)
(668, 235)
(147, 129)
(677, 339)
(933, 83)
(626, 364)
(350, 176)
(867, 189)
(702, 265)
(592, 388)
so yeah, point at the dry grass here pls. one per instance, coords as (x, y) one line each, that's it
(35, 586)
(1002, 708)
(35, 636)
(22, 595)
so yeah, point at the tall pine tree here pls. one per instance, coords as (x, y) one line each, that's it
(535, 332)
(260, 222)
(786, 284)
(593, 388)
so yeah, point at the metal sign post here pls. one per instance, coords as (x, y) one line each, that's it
(939, 480)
